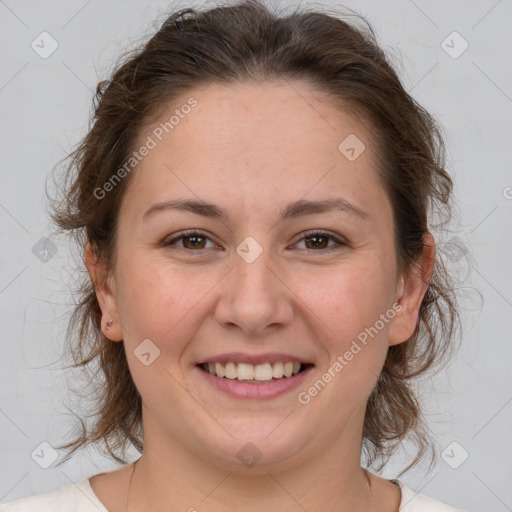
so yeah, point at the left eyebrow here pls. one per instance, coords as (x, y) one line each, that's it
(296, 209)
(301, 207)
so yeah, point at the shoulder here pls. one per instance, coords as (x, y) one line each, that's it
(70, 498)
(414, 502)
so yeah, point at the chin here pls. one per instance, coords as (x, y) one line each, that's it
(255, 448)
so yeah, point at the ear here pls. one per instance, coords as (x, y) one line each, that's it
(411, 289)
(105, 293)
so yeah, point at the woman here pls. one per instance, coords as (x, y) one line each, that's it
(253, 201)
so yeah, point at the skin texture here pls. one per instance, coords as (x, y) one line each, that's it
(252, 149)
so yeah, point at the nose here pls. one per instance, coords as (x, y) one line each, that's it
(254, 298)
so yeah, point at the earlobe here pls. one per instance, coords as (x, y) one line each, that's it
(105, 294)
(410, 293)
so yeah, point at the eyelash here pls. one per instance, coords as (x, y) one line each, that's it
(310, 234)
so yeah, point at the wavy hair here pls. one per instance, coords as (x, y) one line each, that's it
(247, 42)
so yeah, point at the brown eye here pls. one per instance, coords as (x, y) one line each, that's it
(190, 241)
(195, 242)
(319, 241)
(315, 241)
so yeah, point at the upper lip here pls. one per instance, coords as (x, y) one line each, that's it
(254, 359)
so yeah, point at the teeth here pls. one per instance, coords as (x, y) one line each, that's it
(219, 370)
(250, 372)
(245, 371)
(231, 372)
(277, 370)
(288, 369)
(263, 372)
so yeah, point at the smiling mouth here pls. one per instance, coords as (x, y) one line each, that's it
(257, 374)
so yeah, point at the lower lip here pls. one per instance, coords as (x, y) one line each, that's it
(265, 390)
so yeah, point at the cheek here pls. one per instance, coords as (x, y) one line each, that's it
(356, 309)
(160, 301)
(352, 299)
(356, 341)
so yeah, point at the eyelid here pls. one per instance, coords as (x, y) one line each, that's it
(184, 234)
(339, 241)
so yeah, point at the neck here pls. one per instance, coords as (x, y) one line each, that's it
(171, 475)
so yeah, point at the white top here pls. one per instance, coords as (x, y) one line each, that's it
(81, 498)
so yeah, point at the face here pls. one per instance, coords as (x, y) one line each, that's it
(269, 273)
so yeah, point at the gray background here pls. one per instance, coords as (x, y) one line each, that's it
(45, 105)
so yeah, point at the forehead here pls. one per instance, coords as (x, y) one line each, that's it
(248, 116)
(254, 141)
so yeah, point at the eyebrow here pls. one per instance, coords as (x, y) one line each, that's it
(296, 209)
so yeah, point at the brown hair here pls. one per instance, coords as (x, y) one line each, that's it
(246, 42)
